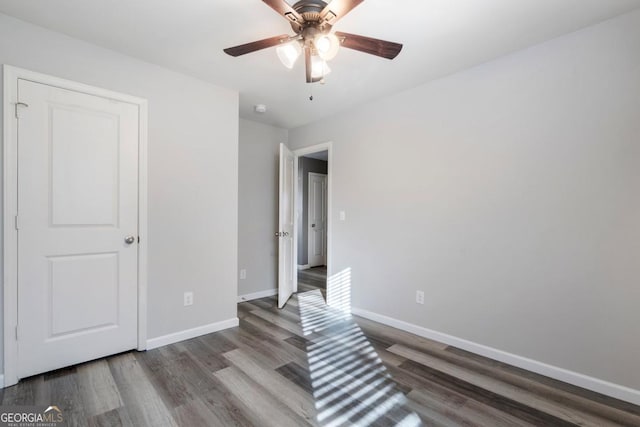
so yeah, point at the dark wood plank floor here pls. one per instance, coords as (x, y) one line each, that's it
(312, 278)
(310, 365)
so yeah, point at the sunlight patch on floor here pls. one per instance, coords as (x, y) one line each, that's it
(351, 386)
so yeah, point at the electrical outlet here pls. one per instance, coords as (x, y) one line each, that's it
(243, 274)
(188, 298)
(419, 297)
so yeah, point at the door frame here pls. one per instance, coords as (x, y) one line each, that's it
(301, 152)
(11, 75)
(326, 201)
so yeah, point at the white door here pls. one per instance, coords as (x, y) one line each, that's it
(77, 227)
(317, 220)
(285, 230)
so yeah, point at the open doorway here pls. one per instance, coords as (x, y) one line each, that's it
(312, 225)
(304, 256)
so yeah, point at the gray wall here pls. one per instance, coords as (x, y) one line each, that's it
(258, 205)
(510, 194)
(193, 170)
(306, 165)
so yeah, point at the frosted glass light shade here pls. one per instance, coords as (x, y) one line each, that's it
(319, 67)
(327, 46)
(288, 53)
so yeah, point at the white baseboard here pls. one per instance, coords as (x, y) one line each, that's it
(590, 383)
(191, 333)
(257, 295)
(303, 267)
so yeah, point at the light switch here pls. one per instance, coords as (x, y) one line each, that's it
(343, 216)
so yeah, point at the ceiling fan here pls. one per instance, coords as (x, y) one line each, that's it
(312, 22)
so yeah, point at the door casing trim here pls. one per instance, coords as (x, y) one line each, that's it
(11, 75)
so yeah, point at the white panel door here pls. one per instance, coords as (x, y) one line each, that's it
(286, 268)
(317, 220)
(77, 203)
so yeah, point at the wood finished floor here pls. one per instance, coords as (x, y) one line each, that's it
(309, 365)
(312, 278)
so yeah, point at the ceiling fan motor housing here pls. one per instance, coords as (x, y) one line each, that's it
(310, 10)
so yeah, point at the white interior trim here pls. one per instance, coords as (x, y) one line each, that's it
(590, 383)
(10, 244)
(1, 381)
(192, 333)
(258, 295)
(328, 146)
(305, 266)
(143, 215)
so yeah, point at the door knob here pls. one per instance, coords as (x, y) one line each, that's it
(129, 240)
(313, 225)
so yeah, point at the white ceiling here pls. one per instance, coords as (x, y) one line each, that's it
(440, 37)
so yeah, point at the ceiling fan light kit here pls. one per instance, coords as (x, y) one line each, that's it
(288, 53)
(327, 46)
(319, 68)
(312, 21)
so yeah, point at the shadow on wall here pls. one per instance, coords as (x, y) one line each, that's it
(350, 384)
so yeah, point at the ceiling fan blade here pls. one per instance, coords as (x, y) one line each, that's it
(257, 45)
(307, 64)
(336, 9)
(308, 67)
(284, 9)
(369, 45)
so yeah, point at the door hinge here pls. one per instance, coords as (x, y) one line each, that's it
(16, 332)
(18, 105)
(17, 223)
